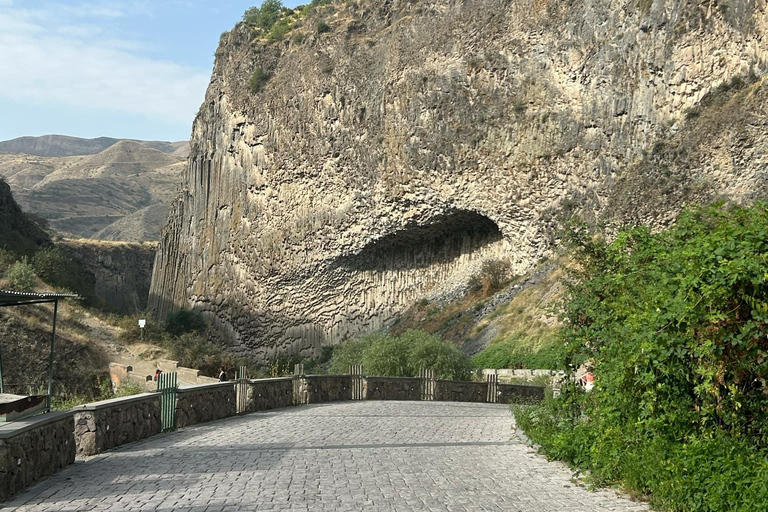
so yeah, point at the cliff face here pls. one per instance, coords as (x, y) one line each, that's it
(385, 160)
(121, 272)
(18, 234)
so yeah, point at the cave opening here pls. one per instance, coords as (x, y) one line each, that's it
(442, 240)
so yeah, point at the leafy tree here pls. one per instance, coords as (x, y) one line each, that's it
(265, 15)
(430, 352)
(349, 353)
(388, 356)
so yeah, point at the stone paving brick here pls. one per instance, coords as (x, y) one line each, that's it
(344, 456)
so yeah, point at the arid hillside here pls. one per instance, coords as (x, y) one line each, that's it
(121, 192)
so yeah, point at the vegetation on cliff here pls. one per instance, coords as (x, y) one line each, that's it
(675, 324)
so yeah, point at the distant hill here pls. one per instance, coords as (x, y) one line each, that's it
(119, 193)
(63, 145)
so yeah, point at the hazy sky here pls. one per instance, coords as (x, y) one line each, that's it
(116, 68)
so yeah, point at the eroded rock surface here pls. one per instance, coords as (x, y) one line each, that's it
(385, 160)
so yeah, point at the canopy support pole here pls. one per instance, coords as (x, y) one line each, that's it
(50, 358)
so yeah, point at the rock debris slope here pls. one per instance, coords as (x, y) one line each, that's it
(384, 160)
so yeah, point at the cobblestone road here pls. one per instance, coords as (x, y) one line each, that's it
(349, 456)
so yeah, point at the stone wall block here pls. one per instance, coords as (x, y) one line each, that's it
(33, 449)
(111, 423)
(326, 388)
(208, 402)
(460, 391)
(391, 388)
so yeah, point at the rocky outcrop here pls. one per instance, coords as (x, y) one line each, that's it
(121, 272)
(386, 159)
(18, 233)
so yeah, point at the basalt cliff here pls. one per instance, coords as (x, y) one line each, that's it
(384, 149)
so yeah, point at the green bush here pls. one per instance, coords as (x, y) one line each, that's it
(57, 268)
(387, 356)
(259, 77)
(21, 276)
(675, 324)
(349, 353)
(183, 321)
(401, 356)
(264, 16)
(323, 27)
(279, 30)
(429, 351)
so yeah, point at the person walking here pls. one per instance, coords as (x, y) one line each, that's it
(222, 375)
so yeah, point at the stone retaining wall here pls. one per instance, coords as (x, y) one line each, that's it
(265, 394)
(104, 425)
(391, 388)
(460, 391)
(206, 402)
(325, 388)
(34, 448)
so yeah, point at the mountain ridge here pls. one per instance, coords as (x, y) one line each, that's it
(65, 145)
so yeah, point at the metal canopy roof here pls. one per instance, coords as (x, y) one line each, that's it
(11, 298)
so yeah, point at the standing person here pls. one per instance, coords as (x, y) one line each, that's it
(157, 374)
(222, 375)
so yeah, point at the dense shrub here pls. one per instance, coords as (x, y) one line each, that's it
(323, 27)
(401, 356)
(21, 276)
(349, 353)
(183, 321)
(387, 356)
(676, 326)
(280, 29)
(429, 351)
(259, 77)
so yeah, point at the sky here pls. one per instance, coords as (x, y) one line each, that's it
(116, 68)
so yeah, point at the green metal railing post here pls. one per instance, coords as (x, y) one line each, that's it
(2, 383)
(50, 357)
(167, 384)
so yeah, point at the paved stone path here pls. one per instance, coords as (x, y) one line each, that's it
(348, 456)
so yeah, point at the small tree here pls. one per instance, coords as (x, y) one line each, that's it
(22, 276)
(264, 16)
(429, 351)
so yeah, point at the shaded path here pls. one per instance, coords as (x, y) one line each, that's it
(346, 456)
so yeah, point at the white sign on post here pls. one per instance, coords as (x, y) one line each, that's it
(142, 322)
